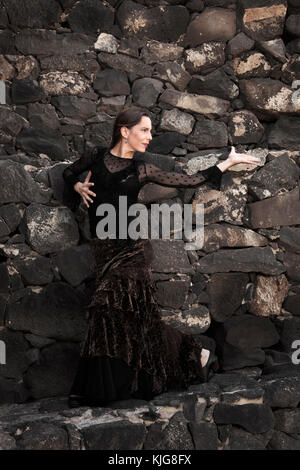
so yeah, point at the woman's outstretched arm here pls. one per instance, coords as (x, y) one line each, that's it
(148, 172)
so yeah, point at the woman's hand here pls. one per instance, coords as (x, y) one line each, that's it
(235, 158)
(84, 189)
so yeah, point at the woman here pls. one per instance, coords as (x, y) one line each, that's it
(128, 350)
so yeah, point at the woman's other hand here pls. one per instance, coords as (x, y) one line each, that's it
(236, 158)
(84, 189)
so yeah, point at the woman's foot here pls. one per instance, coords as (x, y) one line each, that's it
(209, 361)
(75, 401)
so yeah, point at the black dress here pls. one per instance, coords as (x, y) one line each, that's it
(129, 351)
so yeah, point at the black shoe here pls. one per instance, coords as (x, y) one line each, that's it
(212, 364)
(75, 402)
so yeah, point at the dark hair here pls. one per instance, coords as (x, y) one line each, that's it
(129, 117)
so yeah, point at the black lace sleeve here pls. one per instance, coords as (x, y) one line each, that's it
(71, 176)
(151, 173)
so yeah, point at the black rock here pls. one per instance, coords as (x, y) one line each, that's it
(114, 435)
(7, 42)
(34, 270)
(216, 83)
(165, 143)
(111, 82)
(254, 418)
(26, 91)
(205, 435)
(44, 43)
(90, 17)
(55, 372)
(43, 116)
(165, 25)
(33, 13)
(208, 134)
(75, 264)
(4, 279)
(49, 142)
(74, 107)
(55, 312)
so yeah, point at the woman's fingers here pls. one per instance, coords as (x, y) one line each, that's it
(87, 179)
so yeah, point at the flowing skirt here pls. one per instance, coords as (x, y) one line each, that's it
(129, 351)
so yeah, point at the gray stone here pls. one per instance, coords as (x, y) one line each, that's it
(106, 43)
(25, 189)
(217, 236)
(261, 20)
(114, 435)
(205, 435)
(125, 64)
(170, 257)
(47, 141)
(222, 306)
(11, 123)
(279, 210)
(264, 183)
(216, 83)
(174, 436)
(162, 23)
(43, 42)
(90, 17)
(34, 270)
(75, 264)
(175, 120)
(33, 14)
(74, 107)
(269, 99)
(43, 436)
(157, 52)
(253, 418)
(259, 259)
(288, 420)
(55, 372)
(195, 103)
(174, 73)
(242, 440)
(245, 128)
(251, 64)
(214, 24)
(208, 134)
(240, 43)
(281, 392)
(171, 294)
(26, 91)
(110, 82)
(246, 332)
(50, 229)
(284, 133)
(41, 314)
(282, 441)
(43, 116)
(205, 58)
(145, 91)
(65, 83)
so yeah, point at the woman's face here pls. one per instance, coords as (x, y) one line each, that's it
(139, 136)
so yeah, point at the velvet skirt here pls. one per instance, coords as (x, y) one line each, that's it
(129, 351)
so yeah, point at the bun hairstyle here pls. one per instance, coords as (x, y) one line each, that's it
(129, 117)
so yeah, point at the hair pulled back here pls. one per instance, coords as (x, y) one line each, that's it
(129, 117)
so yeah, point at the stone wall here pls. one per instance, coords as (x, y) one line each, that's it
(212, 74)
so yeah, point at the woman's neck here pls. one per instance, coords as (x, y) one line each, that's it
(122, 151)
